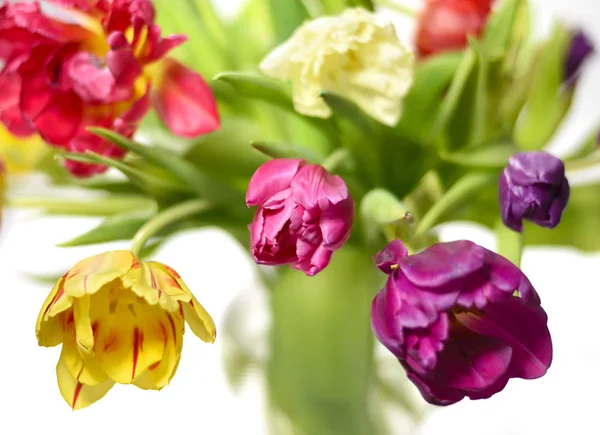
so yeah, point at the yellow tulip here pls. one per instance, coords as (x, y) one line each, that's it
(21, 154)
(121, 320)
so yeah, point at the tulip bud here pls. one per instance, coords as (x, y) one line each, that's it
(304, 214)
(533, 187)
(581, 49)
(444, 25)
(450, 316)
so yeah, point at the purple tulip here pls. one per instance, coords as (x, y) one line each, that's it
(581, 48)
(533, 186)
(451, 317)
(304, 214)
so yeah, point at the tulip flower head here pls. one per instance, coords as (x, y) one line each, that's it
(353, 54)
(581, 49)
(121, 320)
(444, 25)
(533, 187)
(94, 63)
(304, 214)
(451, 317)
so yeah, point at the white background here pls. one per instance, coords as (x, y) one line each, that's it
(199, 399)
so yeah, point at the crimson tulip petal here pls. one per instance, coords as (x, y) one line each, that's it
(184, 101)
(270, 178)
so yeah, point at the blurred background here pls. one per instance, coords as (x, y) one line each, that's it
(221, 389)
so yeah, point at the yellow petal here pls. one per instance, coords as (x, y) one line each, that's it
(76, 394)
(90, 275)
(160, 374)
(155, 285)
(48, 327)
(201, 323)
(195, 315)
(86, 370)
(132, 341)
(83, 325)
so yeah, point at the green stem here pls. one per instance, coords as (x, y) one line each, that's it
(98, 207)
(461, 191)
(336, 159)
(587, 162)
(165, 218)
(405, 10)
(509, 243)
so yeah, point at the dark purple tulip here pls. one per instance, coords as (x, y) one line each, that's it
(451, 317)
(581, 49)
(533, 187)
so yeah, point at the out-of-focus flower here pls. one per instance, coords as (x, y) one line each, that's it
(304, 214)
(20, 154)
(102, 68)
(121, 320)
(2, 186)
(445, 24)
(353, 54)
(533, 187)
(450, 316)
(580, 50)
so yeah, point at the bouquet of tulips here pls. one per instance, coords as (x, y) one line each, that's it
(319, 140)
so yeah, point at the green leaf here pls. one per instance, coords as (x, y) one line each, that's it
(382, 212)
(422, 103)
(460, 193)
(348, 110)
(287, 16)
(331, 7)
(547, 102)
(455, 93)
(587, 147)
(121, 226)
(492, 156)
(143, 179)
(201, 52)
(509, 243)
(285, 150)
(205, 186)
(578, 226)
(98, 206)
(259, 87)
(499, 29)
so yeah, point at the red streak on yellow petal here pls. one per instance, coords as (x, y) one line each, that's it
(110, 343)
(153, 282)
(173, 328)
(181, 309)
(76, 394)
(135, 264)
(172, 272)
(138, 345)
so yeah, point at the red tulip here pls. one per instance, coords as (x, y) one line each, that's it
(445, 24)
(100, 69)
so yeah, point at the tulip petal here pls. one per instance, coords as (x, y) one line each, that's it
(200, 322)
(442, 263)
(390, 255)
(90, 275)
(86, 370)
(76, 394)
(49, 330)
(83, 325)
(521, 326)
(184, 101)
(131, 342)
(271, 178)
(474, 362)
(159, 375)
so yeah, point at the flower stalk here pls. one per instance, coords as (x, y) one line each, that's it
(164, 219)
